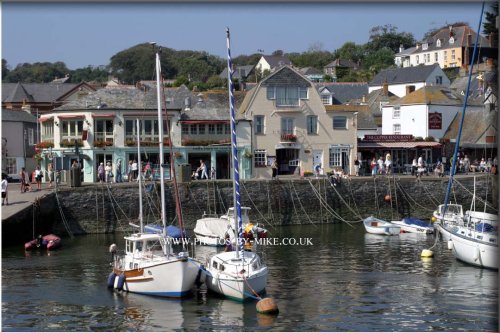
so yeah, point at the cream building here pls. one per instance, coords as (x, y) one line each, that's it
(290, 124)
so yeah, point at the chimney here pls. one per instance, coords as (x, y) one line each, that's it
(401, 48)
(469, 39)
(451, 31)
(417, 46)
(363, 99)
(386, 88)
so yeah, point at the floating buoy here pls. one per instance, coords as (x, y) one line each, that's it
(267, 306)
(426, 253)
(426, 260)
(387, 198)
(450, 244)
(433, 219)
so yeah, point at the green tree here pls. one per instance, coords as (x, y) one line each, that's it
(88, 74)
(5, 69)
(39, 72)
(350, 51)
(489, 25)
(216, 81)
(387, 37)
(380, 59)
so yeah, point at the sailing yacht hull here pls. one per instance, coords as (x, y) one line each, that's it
(236, 287)
(466, 248)
(167, 278)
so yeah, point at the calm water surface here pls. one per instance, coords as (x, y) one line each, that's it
(347, 281)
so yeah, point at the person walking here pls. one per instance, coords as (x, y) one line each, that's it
(203, 169)
(129, 171)
(24, 179)
(109, 172)
(135, 170)
(100, 172)
(38, 178)
(317, 170)
(466, 165)
(356, 167)
(274, 168)
(4, 186)
(380, 163)
(118, 171)
(50, 170)
(373, 167)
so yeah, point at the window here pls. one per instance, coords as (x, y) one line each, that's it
(312, 125)
(103, 129)
(271, 93)
(201, 129)
(326, 99)
(72, 129)
(303, 93)
(259, 124)
(340, 122)
(259, 156)
(185, 129)
(439, 79)
(452, 55)
(10, 165)
(396, 129)
(396, 112)
(193, 129)
(417, 60)
(436, 58)
(425, 46)
(445, 55)
(287, 126)
(287, 95)
(428, 57)
(31, 137)
(339, 157)
(227, 128)
(220, 128)
(438, 43)
(48, 130)
(452, 40)
(211, 128)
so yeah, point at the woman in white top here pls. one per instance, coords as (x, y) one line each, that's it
(38, 178)
(4, 186)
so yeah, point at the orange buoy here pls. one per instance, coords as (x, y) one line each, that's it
(267, 306)
(387, 198)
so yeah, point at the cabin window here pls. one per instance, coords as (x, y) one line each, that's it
(222, 267)
(138, 246)
(215, 265)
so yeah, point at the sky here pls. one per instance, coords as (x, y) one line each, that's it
(83, 34)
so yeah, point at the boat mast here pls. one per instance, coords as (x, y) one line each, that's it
(234, 153)
(459, 134)
(139, 174)
(160, 134)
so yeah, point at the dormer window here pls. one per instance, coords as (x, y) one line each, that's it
(438, 43)
(425, 46)
(452, 40)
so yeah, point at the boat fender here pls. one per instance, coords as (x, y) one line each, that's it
(121, 282)
(200, 277)
(111, 280)
(477, 254)
(450, 244)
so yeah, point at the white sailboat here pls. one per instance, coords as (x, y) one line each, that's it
(467, 235)
(149, 265)
(236, 274)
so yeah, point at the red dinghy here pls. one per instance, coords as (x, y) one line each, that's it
(50, 242)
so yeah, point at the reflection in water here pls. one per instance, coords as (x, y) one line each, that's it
(347, 281)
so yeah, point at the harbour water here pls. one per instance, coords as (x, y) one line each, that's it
(346, 281)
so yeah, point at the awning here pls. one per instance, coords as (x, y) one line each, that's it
(44, 119)
(399, 145)
(76, 116)
(103, 115)
(190, 122)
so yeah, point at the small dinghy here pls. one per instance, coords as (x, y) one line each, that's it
(413, 225)
(50, 242)
(377, 226)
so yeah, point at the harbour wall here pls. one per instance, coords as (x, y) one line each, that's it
(96, 208)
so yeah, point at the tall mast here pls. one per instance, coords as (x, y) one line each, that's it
(234, 153)
(139, 173)
(160, 133)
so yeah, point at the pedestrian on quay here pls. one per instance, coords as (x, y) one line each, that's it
(380, 165)
(4, 186)
(129, 171)
(50, 170)
(24, 179)
(317, 170)
(118, 177)
(38, 178)
(135, 170)
(373, 167)
(356, 167)
(274, 168)
(100, 172)
(109, 172)
(203, 169)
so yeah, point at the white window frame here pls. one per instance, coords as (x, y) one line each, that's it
(287, 125)
(396, 128)
(31, 136)
(312, 124)
(260, 157)
(339, 127)
(396, 112)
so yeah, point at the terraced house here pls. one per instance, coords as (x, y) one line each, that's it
(291, 124)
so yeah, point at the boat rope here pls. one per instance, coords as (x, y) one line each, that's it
(63, 217)
(355, 212)
(224, 209)
(113, 207)
(376, 195)
(269, 208)
(328, 208)
(301, 206)
(255, 206)
(356, 209)
(395, 192)
(293, 203)
(485, 202)
(410, 199)
(429, 194)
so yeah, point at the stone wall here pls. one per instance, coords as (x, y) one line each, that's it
(100, 209)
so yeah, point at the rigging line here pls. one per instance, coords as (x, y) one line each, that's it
(356, 213)
(301, 206)
(117, 204)
(269, 210)
(409, 197)
(293, 203)
(396, 193)
(354, 200)
(328, 208)
(113, 206)
(433, 199)
(63, 217)
(376, 196)
(224, 209)
(254, 205)
(485, 202)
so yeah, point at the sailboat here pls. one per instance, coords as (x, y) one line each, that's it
(467, 235)
(149, 265)
(237, 274)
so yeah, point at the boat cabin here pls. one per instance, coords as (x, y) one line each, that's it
(226, 260)
(139, 244)
(244, 214)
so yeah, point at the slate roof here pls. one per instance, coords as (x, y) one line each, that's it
(310, 71)
(285, 76)
(403, 75)
(460, 39)
(240, 72)
(212, 105)
(342, 63)
(374, 99)
(34, 92)
(459, 85)
(343, 92)
(476, 122)
(17, 116)
(276, 61)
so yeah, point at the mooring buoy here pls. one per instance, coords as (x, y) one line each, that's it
(426, 253)
(267, 306)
